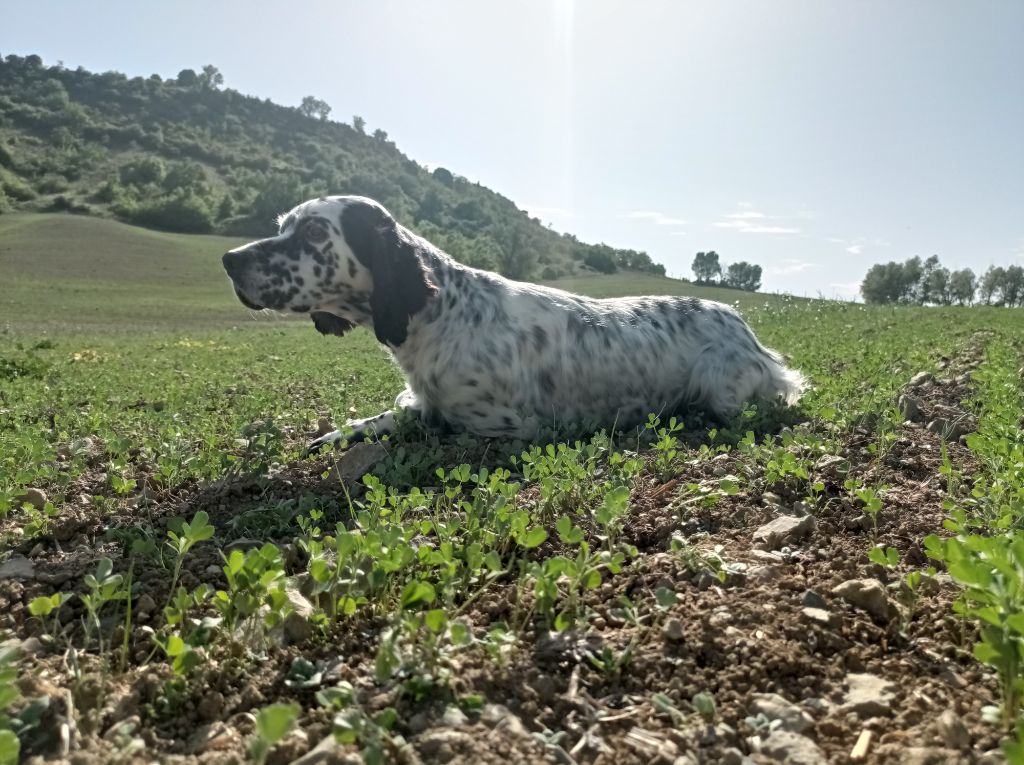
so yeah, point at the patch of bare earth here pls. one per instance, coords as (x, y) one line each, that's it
(806, 631)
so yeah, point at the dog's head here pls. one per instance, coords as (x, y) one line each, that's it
(343, 260)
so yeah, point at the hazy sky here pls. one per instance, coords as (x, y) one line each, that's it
(813, 137)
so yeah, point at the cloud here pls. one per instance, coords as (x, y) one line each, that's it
(770, 230)
(746, 227)
(791, 266)
(744, 204)
(659, 218)
(747, 214)
(855, 249)
(683, 233)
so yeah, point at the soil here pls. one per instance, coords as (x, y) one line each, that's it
(747, 633)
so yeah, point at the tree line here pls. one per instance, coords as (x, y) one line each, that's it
(928, 282)
(188, 154)
(741, 276)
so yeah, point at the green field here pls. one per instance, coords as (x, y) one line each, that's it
(625, 586)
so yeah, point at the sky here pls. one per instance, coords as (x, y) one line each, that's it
(813, 137)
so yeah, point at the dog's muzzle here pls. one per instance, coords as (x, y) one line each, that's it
(235, 263)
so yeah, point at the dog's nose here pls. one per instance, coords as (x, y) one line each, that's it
(233, 260)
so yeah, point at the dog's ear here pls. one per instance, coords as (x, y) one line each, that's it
(329, 324)
(401, 284)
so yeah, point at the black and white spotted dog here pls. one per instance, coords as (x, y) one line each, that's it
(491, 356)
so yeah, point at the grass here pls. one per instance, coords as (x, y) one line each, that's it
(145, 375)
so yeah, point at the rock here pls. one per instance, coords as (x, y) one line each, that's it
(214, 737)
(34, 497)
(868, 595)
(453, 716)
(784, 530)
(812, 599)
(441, 744)
(920, 379)
(949, 430)
(775, 707)
(672, 630)
(732, 756)
(821, 616)
(500, 716)
(327, 752)
(17, 567)
(868, 695)
(211, 706)
(832, 463)
(297, 625)
(290, 748)
(145, 605)
(353, 464)
(792, 749)
(952, 731)
(772, 499)
(910, 407)
(764, 574)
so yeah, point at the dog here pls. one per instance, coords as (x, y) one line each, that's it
(494, 357)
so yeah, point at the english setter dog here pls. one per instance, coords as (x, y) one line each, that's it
(494, 357)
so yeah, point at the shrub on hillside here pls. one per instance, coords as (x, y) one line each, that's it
(184, 213)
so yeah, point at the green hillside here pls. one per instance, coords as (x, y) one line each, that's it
(184, 155)
(73, 271)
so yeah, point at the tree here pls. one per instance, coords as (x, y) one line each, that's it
(936, 285)
(743, 276)
(314, 107)
(601, 260)
(706, 266)
(925, 282)
(359, 124)
(380, 135)
(444, 176)
(889, 283)
(211, 78)
(188, 78)
(962, 286)
(991, 285)
(1013, 286)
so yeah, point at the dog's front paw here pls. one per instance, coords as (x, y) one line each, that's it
(335, 438)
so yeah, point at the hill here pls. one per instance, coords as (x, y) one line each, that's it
(184, 155)
(99, 273)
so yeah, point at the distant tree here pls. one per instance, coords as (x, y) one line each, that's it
(211, 78)
(936, 285)
(991, 285)
(889, 283)
(706, 266)
(380, 135)
(314, 107)
(359, 124)
(141, 171)
(226, 208)
(925, 282)
(431, 207)
(188, 78)
(1013, 286)
(743, 276)
(601, 260)
(444, 176)
(962, 286)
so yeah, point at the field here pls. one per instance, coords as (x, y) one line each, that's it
(841, 582)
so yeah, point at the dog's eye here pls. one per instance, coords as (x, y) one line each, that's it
(315, 233)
